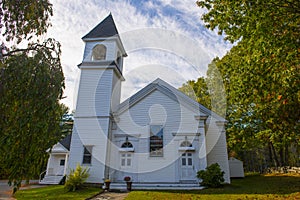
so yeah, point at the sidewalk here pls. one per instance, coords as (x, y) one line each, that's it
(6, 190)
(111, 196)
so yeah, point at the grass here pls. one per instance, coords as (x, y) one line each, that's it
(251, 187)
(55, 192)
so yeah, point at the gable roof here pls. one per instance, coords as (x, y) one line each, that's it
(66, 142)
(171, 92)
(106, 28)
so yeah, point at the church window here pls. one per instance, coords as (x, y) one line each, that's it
(156, 140)
(99, 52)
(186, 144)
(127, 145)
(126, 159)
(62, 162)
(87, 155)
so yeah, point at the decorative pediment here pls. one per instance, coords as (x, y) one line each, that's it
(59, 148)
(172, 93)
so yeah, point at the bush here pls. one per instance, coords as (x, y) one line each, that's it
(212, 176)
(76, 178)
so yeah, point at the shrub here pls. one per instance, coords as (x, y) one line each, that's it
(76, 178)
(212, 176)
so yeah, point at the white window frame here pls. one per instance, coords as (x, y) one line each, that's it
(84, 154)
(126, 159)
(158, 152)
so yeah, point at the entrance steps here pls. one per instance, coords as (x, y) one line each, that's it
(156, 186)
(51, 180)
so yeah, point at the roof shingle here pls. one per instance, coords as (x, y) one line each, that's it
(106, 28)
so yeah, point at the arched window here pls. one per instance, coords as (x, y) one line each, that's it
(186, 144)
(99, 52)
(126, 155)
(126, 145)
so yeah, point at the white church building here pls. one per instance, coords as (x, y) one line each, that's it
(158, 137)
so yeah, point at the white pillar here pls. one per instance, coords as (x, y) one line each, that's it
(48, 163)
(66, 163)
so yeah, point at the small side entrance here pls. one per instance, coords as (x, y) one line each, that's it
(187, 167)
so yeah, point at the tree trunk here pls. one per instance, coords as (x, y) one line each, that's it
(270, 162)
(275, 156)
(287, 163)
(281, 156)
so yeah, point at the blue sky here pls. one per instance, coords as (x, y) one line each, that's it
(163, 38)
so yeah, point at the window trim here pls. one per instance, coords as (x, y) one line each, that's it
(62, 162)
(103, 57)
(89, 148)
(126, 158)
(159, 152)
(183, 147)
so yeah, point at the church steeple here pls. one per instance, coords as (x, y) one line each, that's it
(103, 44)
(106, 28)
(98, 97)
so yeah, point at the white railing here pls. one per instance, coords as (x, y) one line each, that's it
(40, 177)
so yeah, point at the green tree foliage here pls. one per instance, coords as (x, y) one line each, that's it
(261, 74)
(208, 91)
(22, 19)
(198, 91)
(212, 176)
(76, 178)
(66, 123)
(31, 85)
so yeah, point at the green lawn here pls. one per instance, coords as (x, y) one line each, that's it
(55, 192)
(251, 187)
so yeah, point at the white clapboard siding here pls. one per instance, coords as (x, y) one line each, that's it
(116, 92)
(158, 109)
(94, 93)
(87, 131)
(216, 147)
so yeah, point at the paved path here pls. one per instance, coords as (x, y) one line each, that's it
(111, 196)
(6, 190)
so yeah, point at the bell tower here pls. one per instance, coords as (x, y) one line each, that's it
(98, 96)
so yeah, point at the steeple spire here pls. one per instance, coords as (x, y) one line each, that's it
(106, 28)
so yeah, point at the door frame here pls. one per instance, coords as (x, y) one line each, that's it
(186, 166)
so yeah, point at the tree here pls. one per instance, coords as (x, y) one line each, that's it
(198, 91)
(261, 73)
(208, 91)
(31, 85)
(21, 20)
(66, 123)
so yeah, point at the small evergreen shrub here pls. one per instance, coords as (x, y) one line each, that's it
(76, 178)
(212, 176)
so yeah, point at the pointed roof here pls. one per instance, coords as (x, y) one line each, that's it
(172, 93)
(106, 28)
(66, 142)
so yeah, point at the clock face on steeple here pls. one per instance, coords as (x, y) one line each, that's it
(99, 52)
